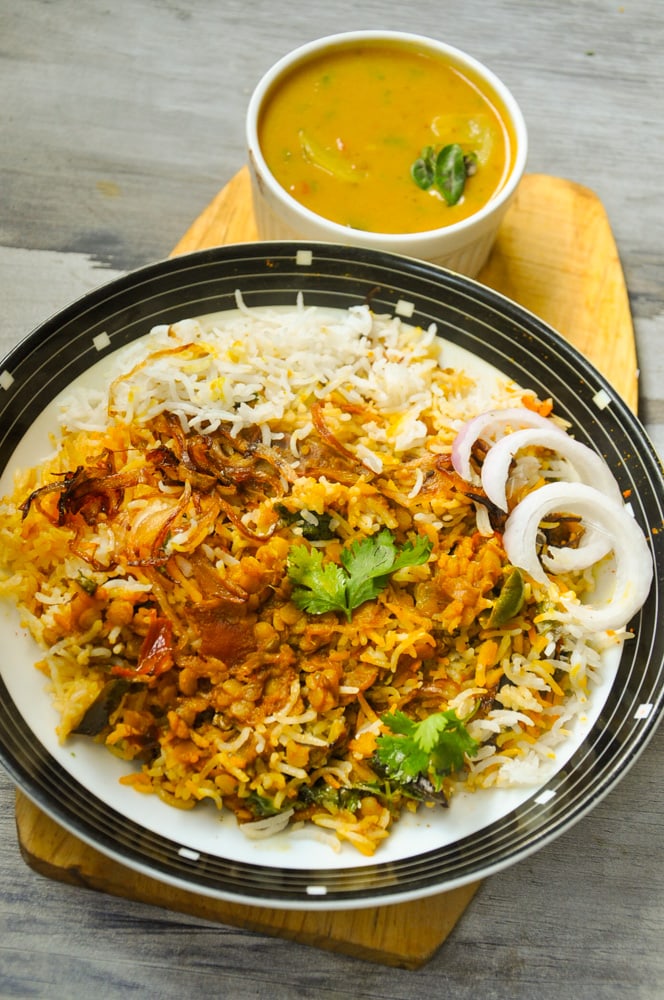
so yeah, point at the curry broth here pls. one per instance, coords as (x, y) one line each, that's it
(342, 130)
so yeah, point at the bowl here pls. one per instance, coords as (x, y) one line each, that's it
(351, 172)
(77, 782)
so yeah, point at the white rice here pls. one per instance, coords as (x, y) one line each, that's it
(251, 367)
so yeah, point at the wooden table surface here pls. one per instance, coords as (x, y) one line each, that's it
(119, 122)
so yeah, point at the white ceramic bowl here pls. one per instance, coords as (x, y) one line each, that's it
(463, 246)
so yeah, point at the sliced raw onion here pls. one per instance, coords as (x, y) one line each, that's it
(587, 465)
(261, 829)
(487, 425)
(593, 546)
(633, 567)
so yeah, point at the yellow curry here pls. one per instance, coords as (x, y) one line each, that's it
(342, 132)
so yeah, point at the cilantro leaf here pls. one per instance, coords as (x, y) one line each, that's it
(368, 564)
(320, 587)
(432, 748)
(366, 567)
(413, 554)
(399, 723)
(402, 759)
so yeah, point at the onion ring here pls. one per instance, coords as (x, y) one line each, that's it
(588, 466)
(633, 568)
(592, 547)
(489, 424)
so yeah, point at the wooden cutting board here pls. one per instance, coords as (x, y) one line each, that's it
(555, 254)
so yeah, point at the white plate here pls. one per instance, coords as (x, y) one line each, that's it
(77, 783)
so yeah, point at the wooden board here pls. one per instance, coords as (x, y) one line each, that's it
(555, 254)
(404, 935)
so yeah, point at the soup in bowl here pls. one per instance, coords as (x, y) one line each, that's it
(385, 140)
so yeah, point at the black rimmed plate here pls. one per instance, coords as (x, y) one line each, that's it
(77, 784)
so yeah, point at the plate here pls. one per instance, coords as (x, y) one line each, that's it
(77, 783)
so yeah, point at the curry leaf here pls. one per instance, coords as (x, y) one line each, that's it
(450, 172)
(446, 169)
(423, 169)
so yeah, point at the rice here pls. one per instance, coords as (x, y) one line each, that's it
(149, 560)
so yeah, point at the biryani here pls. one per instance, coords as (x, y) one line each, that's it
(298, 565)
